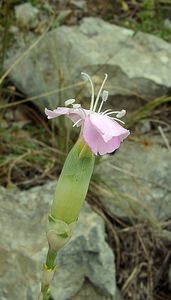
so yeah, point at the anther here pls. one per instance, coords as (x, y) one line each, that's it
(76, 106)
(105, 95)
(69, 102)
(104, 99)
(121, 113)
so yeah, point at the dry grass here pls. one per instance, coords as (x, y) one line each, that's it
(142, 254)
(28, 150)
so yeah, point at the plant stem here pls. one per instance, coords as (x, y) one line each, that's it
(47, 276)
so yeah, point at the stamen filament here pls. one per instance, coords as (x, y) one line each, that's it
(118, 120)
(104, 112)
(92, 89)
(112, 112)
(76, 123)
(99, 93)
(101, 104)
(83, 112)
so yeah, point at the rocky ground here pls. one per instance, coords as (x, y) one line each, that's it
(121, 248)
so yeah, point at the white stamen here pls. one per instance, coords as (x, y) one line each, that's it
(118, 120)
(104, 99)
(69, 101)
(76, 106)
(92, 88)
(105, 95)
(76, 123)
(104, 112)
(111, 113)
(99, 93)
(83, 112)
(121, 113)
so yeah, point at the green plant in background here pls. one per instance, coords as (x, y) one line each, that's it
(146, 110)
(151, 19)
(100, 133)
(147, 15)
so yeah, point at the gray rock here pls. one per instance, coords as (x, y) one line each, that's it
(26, 15)
(23, 249)
(144, 126)
(88, 292)
(79, 3)
(167, 24)
(14, 29)
(88, 256)
(137, 64)
(169, 277)
(138, 180)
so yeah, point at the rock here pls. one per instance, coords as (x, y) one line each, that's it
(138, 180)
(167, 24)
(170, 278)
(137, 64)
(81, 4)
(88, 292)
(144, 126)
(87, 258)
(26, 15)
(14, 29)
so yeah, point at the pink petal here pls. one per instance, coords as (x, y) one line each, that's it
(73, 114)
(95, 141)
(56, 112)
(90, 135)
(108, 147)
(108, 128)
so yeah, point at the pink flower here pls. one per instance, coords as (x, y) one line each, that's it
(100, 131)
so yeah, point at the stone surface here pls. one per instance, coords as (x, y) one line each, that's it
(137, 64)
(88, 292)
(79, 3)
(143, 126)
(26, 15)
(167, 24)
(87, 258)
(138, 180)
(169, 277)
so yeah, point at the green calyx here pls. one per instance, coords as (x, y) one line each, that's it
(73, 183)
(58, 234)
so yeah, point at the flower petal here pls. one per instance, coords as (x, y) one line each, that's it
(90, 135)
(108, 128)
(73, 114)
(56, 112)
(95, 141)
(108, 147)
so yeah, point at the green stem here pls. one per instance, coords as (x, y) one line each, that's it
(48, 271)
(50, 260)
